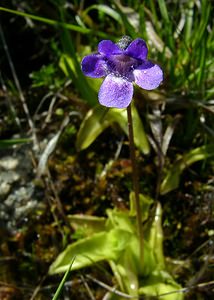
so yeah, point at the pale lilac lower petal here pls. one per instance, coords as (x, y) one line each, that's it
(115, 92)
(94, 66)
(148, 78)
(137, 49)
(107, 47)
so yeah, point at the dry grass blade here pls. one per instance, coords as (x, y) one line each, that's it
(109, 288)
(50, 148)
(168, 134)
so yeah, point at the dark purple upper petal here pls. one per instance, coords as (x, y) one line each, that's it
(115, 92)
(137, 49)
(148, 76)
(94, 66)
(107, 47)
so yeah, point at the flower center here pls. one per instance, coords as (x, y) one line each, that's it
(122, 65)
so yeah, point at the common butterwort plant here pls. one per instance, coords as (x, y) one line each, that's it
(135, 258)
(122, 64)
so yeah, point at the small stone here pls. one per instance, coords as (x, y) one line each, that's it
(4, 188)
(9, 163)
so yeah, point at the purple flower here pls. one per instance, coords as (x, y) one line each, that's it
(122, 64)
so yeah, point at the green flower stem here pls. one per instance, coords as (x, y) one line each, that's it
(135, 178)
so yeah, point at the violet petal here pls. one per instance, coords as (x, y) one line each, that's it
(137, 49)
(107, 47)
(148, 76)
(115, 92)
(94, 66)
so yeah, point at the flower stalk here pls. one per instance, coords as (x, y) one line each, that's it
(135, 179)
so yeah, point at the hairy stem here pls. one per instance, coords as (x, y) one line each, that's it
(135, 178)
